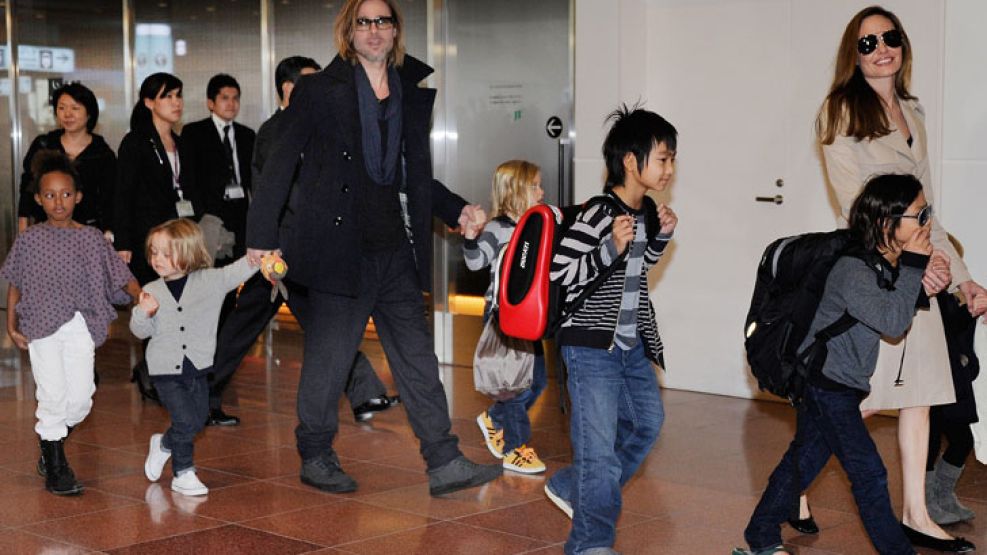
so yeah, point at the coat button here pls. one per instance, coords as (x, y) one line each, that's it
(179, 309)
(181, 328)
(347, 155)
(184, 347)
(345, 188)
(178, 367)
(338, 221)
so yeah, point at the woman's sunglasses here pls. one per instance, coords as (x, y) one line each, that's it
(868, 43)
(923, 217)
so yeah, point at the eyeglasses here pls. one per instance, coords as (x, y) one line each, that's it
(923, 217)
(868, 43)
(383, 23)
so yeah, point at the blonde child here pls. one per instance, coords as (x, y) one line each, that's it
(179, 313)
(505, 425)
(64, 278)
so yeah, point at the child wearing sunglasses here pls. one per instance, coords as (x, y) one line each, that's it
(880, 282)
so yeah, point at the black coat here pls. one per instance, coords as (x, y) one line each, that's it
(320, 234)
(267, 135)
(145, 196)
(204, 160)
(97, 167)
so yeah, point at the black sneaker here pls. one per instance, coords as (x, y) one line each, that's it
(366, 411)
(461, 473)
(219, 418)
(324, 473)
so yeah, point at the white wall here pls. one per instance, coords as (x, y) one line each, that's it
(963, 196)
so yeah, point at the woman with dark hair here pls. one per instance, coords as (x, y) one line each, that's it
(870, 123)
(151, 188)
(77, 113)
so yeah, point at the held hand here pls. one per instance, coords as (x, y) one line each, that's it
(919, 242)
(937, 275)
(623, 232)
(148, 304)
(976, 297)
(471, 219)
(125, 256)
(667, 219)
(18, 338)
(254, 256)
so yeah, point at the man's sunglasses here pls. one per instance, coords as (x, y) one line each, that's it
(923, 217)
(383, 23)
(868, 43)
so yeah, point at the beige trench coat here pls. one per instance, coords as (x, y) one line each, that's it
(920, 357)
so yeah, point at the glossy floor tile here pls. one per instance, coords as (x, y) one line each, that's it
(693, 494)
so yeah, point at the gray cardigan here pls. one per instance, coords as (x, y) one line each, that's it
(852, 287)
(186, 328)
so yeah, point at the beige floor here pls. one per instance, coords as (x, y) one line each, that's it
(693, 494)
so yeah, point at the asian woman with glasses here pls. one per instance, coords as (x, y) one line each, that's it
(870, 123)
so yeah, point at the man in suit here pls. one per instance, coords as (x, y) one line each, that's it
(254, 307)
(357, 231)
(216, 151)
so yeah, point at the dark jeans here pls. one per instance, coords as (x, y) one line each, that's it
(617, 414)
(187, 402)
(830, 423)
(248, 319)
(391, 294)
(512, 415)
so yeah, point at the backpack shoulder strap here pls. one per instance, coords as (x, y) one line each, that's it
(840, 326)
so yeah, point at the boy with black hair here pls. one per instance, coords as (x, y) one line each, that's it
(610, 344)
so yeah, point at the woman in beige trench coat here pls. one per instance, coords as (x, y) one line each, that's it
(870, 124)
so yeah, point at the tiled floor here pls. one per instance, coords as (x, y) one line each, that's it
(693, 494)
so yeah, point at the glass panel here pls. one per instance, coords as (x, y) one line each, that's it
(196, 40)
(507, 72)
(8, 221)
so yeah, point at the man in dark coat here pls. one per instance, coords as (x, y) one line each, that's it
(254, 306)
(356, 232)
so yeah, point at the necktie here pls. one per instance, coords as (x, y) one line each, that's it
(229, 150)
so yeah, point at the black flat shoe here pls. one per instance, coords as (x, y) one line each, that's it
(955, 545)
(219, 418)
(804, 525)
(366, 411)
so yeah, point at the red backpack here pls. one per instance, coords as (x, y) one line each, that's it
(531, 306)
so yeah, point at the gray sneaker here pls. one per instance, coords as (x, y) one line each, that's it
(461, 473)
(324, 472)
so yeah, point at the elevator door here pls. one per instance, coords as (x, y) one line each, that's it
(504, 70)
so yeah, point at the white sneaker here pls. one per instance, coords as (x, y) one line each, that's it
(156, 458)
(558, 501)
(188, 484)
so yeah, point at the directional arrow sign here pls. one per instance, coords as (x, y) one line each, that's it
(553, 127)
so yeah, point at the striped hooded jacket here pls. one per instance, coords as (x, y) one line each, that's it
(586, 250)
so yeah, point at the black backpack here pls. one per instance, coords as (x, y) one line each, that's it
(790, 281)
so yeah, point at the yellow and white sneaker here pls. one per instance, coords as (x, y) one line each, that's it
(524, 460)
(492, 437)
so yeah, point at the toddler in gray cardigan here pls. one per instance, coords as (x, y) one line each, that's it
(179, 313)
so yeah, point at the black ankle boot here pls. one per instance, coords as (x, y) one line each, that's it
(59, 478)
(41, 458)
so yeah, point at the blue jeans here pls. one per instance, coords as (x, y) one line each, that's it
(512, 415)
(830, 423)
(187, 402)
(616, 416)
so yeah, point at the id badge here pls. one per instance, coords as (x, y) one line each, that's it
(184, 209)
(233, 191)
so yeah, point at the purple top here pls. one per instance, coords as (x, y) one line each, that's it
(60, 271)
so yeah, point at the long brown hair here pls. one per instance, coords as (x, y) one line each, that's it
(852, 107)
(345, 26)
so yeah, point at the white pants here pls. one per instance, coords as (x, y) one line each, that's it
(62, 364)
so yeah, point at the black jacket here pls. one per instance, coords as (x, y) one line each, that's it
(145, 196)
(204, 161)
(267, 135)
(96, 165)
(320, 233)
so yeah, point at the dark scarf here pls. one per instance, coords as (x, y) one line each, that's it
(381, 169)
